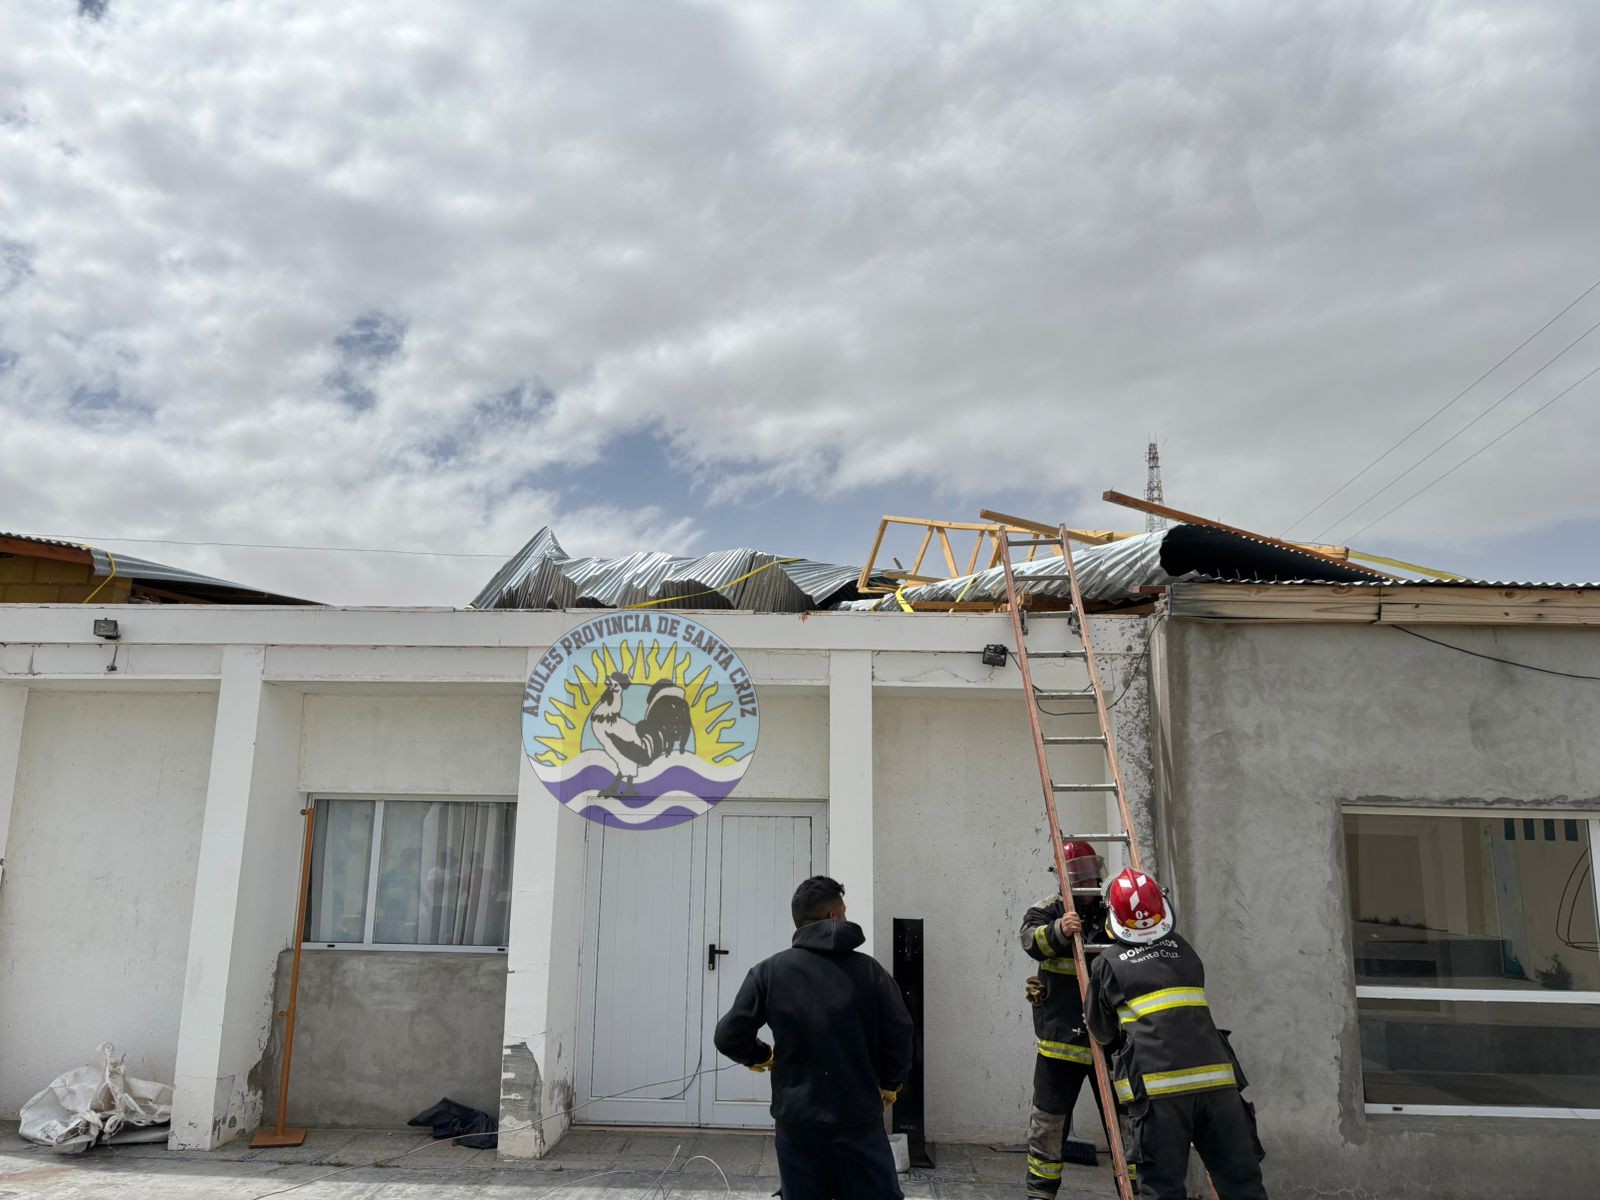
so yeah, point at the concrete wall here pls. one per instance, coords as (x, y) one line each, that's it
(462, 745)
(961, 842)
(382, 1035)
(1267, 732)
(99, 882)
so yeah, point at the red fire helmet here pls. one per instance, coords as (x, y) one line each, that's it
(1084, 864)
(1136, 909)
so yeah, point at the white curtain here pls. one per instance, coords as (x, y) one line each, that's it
(444, 874)
(343, 843)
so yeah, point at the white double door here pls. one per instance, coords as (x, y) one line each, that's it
(673, 919)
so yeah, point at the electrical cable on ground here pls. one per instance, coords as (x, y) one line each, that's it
(1529, 379)
(1509, 662)
(1447, 404)
(1474, 454)
(565, 1112)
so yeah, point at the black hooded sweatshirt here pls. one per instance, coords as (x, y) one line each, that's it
(840, 1027)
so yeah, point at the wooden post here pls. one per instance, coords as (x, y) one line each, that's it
(279, 1135)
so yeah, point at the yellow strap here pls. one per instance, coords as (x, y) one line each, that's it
(900, 599)
(777, 562)
(106, 580)
(1401, 565)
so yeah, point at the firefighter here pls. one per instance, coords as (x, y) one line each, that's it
(1062, 1062)
(1174, 1069)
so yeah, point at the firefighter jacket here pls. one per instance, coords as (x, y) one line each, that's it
(1153, 997)
(1058, 1018)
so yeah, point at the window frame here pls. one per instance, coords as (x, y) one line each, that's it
(1470, 995)
(377, 800)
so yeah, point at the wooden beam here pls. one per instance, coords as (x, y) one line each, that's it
(1340, 603)
(1175, 514)
(26, 549)
(1488, 606)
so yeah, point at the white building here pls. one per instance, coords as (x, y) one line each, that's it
(153, 832)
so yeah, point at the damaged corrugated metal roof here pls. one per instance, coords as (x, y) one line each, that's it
(1108, 573)
(185, 585)
(542, 575)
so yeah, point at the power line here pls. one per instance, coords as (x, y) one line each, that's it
(1509, 662)
(62, 537)
(1447, 404)
(1476, 452)
(1539, 371)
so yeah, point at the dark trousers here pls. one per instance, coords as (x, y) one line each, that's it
(1219, 1124)
(819, 1168)
(1056, 1084)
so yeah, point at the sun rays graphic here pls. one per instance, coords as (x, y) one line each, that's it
(568, 718)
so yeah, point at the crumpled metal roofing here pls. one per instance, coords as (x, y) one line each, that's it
(1105, 572)
(543, 576)
(142, 570)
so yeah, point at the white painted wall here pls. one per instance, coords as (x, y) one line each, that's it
(462, 745)
(99, 883)
(791, 761)
(961, 842)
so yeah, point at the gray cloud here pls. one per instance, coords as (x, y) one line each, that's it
(812, 248)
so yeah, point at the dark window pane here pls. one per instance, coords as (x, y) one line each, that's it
(1549, 831)
(1527, 828)
(1448, 902)
(1511, 830)
(1533, 1055)
(1572, 831)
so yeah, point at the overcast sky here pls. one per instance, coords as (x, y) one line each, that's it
(687, 276)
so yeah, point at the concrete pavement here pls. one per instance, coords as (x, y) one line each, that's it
(588, 1164)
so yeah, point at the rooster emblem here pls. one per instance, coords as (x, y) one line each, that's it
(665, 728)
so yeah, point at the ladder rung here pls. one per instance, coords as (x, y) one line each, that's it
(1083, 787)
(1075, 739)
(1055, 541)
(1073, 694)
(1094, 837)
(1057, 654)
(1087, 891)
(1021, 579)
(1048, 614)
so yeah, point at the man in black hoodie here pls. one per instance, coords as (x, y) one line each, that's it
(842, 1051)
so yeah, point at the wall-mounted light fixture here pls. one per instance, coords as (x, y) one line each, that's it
(106, 627)
(994, 655)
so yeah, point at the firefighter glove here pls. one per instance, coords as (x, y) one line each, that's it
(766, 1063)
(1034, 990)
(890, 1095)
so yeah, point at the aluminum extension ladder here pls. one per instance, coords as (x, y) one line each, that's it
(1057, 538)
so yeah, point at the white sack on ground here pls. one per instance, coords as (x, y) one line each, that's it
(90, 1104)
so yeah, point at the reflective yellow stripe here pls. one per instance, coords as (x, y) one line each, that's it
(1124, 1091)
(1043, 1168)
(1041, 939)
(1059, 966)
(1154, 1002)
(1133, 1172)
(1191, 1079)
(1065, 1051)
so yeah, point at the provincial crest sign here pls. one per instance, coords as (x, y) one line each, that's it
(640, 720)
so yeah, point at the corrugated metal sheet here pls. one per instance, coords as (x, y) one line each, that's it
(142, 570)
(1107, 572)
(543, 576)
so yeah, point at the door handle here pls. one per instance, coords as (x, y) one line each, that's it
(713, 952)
